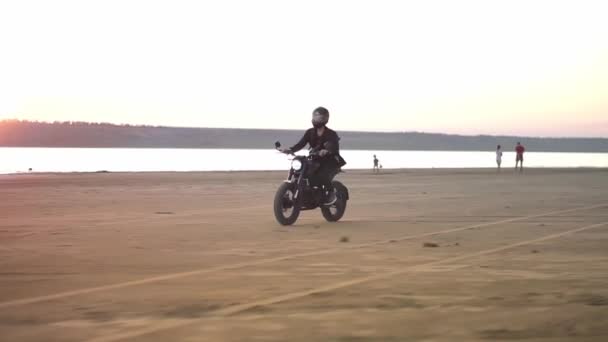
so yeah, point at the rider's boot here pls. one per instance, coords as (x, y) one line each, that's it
(330, 197)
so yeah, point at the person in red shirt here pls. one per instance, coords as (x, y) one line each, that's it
(519, 156)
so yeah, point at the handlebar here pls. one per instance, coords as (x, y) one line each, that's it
(288, 152)
(311, 153)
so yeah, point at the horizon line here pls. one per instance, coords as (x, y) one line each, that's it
(293, 129)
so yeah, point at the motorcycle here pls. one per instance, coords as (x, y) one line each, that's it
(297, 193)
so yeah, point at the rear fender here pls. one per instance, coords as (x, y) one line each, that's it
(341, 189)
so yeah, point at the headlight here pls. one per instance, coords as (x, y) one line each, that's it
(296, 165)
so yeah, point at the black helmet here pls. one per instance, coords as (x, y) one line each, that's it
(320, 117)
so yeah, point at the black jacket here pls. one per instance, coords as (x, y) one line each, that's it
(328, 141)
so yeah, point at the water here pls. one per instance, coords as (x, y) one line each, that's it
(13, 160)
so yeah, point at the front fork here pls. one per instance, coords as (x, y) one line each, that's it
(299, 182)
(298, 187)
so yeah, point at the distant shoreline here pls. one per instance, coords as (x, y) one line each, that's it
(386, 171)
(272, 149)
(14, 133)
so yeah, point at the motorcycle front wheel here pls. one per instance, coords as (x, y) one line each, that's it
(286, 210)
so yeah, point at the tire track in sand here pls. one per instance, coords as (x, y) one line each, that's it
(170, 276)
(232, 310)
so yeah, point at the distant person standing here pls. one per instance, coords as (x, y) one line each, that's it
(376, 163)
(519, 156)
(498, 157)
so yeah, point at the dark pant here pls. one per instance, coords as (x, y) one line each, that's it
(325, 174)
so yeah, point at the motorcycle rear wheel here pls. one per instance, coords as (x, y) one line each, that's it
(334, 212)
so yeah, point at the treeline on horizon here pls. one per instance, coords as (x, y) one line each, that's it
(18, 133)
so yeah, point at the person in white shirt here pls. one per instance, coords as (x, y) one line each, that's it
(498, 157)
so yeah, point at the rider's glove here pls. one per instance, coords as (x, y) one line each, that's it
(323, 153)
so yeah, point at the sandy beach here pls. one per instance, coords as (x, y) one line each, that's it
(429, 255)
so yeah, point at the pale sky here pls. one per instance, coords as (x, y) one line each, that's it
(530, 67)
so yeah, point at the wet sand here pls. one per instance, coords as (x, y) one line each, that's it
(199, 257)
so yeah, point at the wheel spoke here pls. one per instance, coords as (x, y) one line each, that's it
(288, 202)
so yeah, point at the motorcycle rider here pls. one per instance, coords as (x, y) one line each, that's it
(327, 143)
